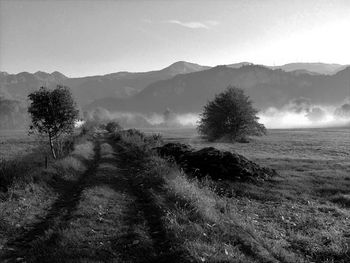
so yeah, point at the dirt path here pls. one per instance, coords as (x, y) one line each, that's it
(107, 215)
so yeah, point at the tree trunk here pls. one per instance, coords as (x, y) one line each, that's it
(52, 148)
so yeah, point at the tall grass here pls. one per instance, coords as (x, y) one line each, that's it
(10, 170)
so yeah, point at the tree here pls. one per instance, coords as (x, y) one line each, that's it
(53, 113)
(231, 115)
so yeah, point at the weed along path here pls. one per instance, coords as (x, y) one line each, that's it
(106, 215)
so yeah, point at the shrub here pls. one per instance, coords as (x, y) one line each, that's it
(137, 140)
(64, 146)
(113, 126)
(89, 127)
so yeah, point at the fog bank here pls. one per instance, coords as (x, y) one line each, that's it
(298, 113)
(301, 113)
(167, 119)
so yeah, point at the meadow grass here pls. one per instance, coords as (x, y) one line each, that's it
(16, 142)
(303, 214)
(21, 155)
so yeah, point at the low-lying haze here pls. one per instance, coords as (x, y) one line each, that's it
(298, 113)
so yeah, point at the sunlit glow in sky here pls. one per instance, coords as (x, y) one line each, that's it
(80, 38)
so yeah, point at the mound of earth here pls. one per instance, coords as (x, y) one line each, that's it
(215, 163)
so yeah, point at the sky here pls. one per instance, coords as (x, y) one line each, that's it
(80, 38)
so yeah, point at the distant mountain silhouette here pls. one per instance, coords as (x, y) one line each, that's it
(303, 71)
(87, 89)
(185, 86)
(183, 67)
(320, 68)
(239, 65)
(18, 86)
(301, 68)
(266, 87)
(124, 84)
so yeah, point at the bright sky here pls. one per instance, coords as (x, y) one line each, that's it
(80, 38)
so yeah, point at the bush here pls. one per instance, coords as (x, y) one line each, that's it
(89, 127)
(138, 139)
(230, 115)
(64, 146)
(113, 126)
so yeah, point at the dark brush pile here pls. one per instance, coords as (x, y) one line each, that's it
(215, 163)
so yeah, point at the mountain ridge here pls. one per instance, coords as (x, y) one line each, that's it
(124, 84)
(316, 67)
(266, 87)
(86, 89)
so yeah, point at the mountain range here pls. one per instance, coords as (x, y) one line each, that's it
(313, 68)
(88, 89)
(185, 87)
(266, 87)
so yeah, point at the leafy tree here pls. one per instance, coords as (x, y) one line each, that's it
(53, 113)
(231, 115)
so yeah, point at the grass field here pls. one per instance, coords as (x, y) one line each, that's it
(16, 142)
(306, 209)
(120, 194)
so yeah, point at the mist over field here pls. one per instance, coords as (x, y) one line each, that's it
(298, 113)
(301, 113)
(175, 95)
(141, 120)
